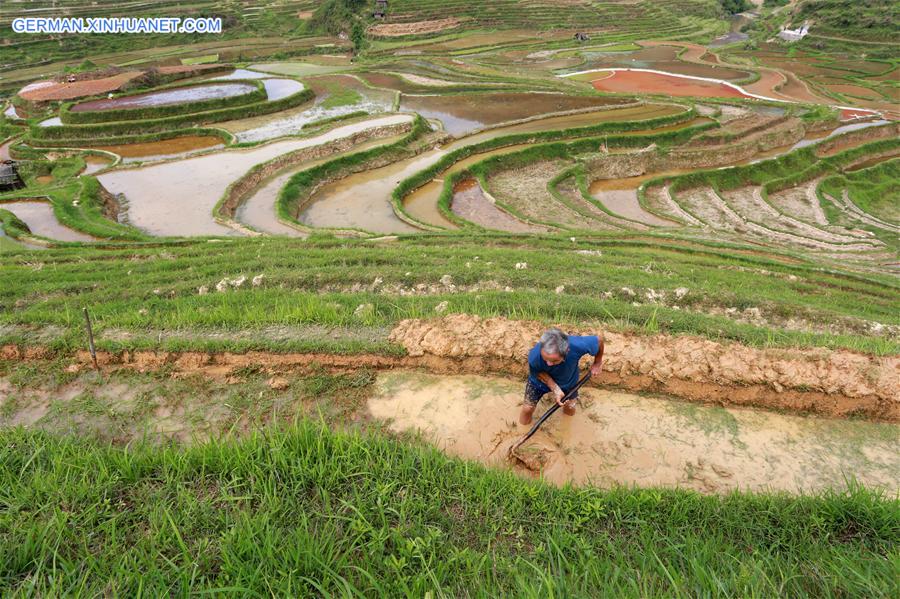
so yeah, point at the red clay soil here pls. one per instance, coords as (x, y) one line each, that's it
(77, 89)
(834, 383)
(638, 82)
(53, 90)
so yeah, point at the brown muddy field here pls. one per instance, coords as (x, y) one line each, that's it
(464, 113)
(166, 148)
(470, 203)
(637, 82)
(619, 438)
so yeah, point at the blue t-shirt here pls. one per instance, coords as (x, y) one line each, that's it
(566, 372)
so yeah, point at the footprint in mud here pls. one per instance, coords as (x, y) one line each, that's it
(710, 477)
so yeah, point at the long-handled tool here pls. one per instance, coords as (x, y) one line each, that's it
(551, 410)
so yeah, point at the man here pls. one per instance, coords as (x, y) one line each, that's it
(553, 367)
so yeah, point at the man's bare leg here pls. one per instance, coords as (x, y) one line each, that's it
(526, 413)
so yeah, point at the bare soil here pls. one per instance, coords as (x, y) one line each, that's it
(417, 28)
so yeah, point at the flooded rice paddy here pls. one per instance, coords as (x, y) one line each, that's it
(471, 203)
(39, 216)
(277, 89)
(259, 211)
(618, 438)
(620, 197)
(168, 97)
(177, 198)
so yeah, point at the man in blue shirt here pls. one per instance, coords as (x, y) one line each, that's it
(553, 367)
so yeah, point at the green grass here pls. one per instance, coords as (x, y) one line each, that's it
(340, 96)
(208, 58)
(154, 288)
(873, 190)
(306, 511)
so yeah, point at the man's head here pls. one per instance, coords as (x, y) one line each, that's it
(554, 346)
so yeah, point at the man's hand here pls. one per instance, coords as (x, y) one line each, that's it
(596, 369)
(559, 394)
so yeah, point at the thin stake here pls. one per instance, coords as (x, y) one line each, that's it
(90, 332)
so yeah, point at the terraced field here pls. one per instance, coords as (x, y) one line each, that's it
(268, 297)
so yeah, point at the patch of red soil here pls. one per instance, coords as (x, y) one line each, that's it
(850, 114)
(638, 82)
(52, 90)
(47, 91)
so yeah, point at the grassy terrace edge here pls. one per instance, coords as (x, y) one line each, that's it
(334, 278)
(305, 510)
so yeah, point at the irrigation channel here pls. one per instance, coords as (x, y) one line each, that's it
(621, 438)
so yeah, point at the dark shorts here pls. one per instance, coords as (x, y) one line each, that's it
(533, 395)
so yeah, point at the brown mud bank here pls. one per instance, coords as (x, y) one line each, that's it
(833, 383)
(822, 381)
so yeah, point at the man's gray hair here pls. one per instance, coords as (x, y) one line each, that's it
(555, 342)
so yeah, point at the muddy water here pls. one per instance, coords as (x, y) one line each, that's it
(470, 202)
(165, 149)
(177, 198)
(838, 131)
(258, 210)
(11, 113)
(167, 98)
(620, 197)
(363, 200)
(94, 163)
(618, 438)
(51, 122)
(39, 217)
(464, 113)
(281, 88)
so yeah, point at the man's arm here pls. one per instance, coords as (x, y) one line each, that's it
(548, 380)
(597, 366)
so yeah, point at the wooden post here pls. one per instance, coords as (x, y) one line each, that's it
(90, 332)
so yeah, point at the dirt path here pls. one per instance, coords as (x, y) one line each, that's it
(618, 438)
